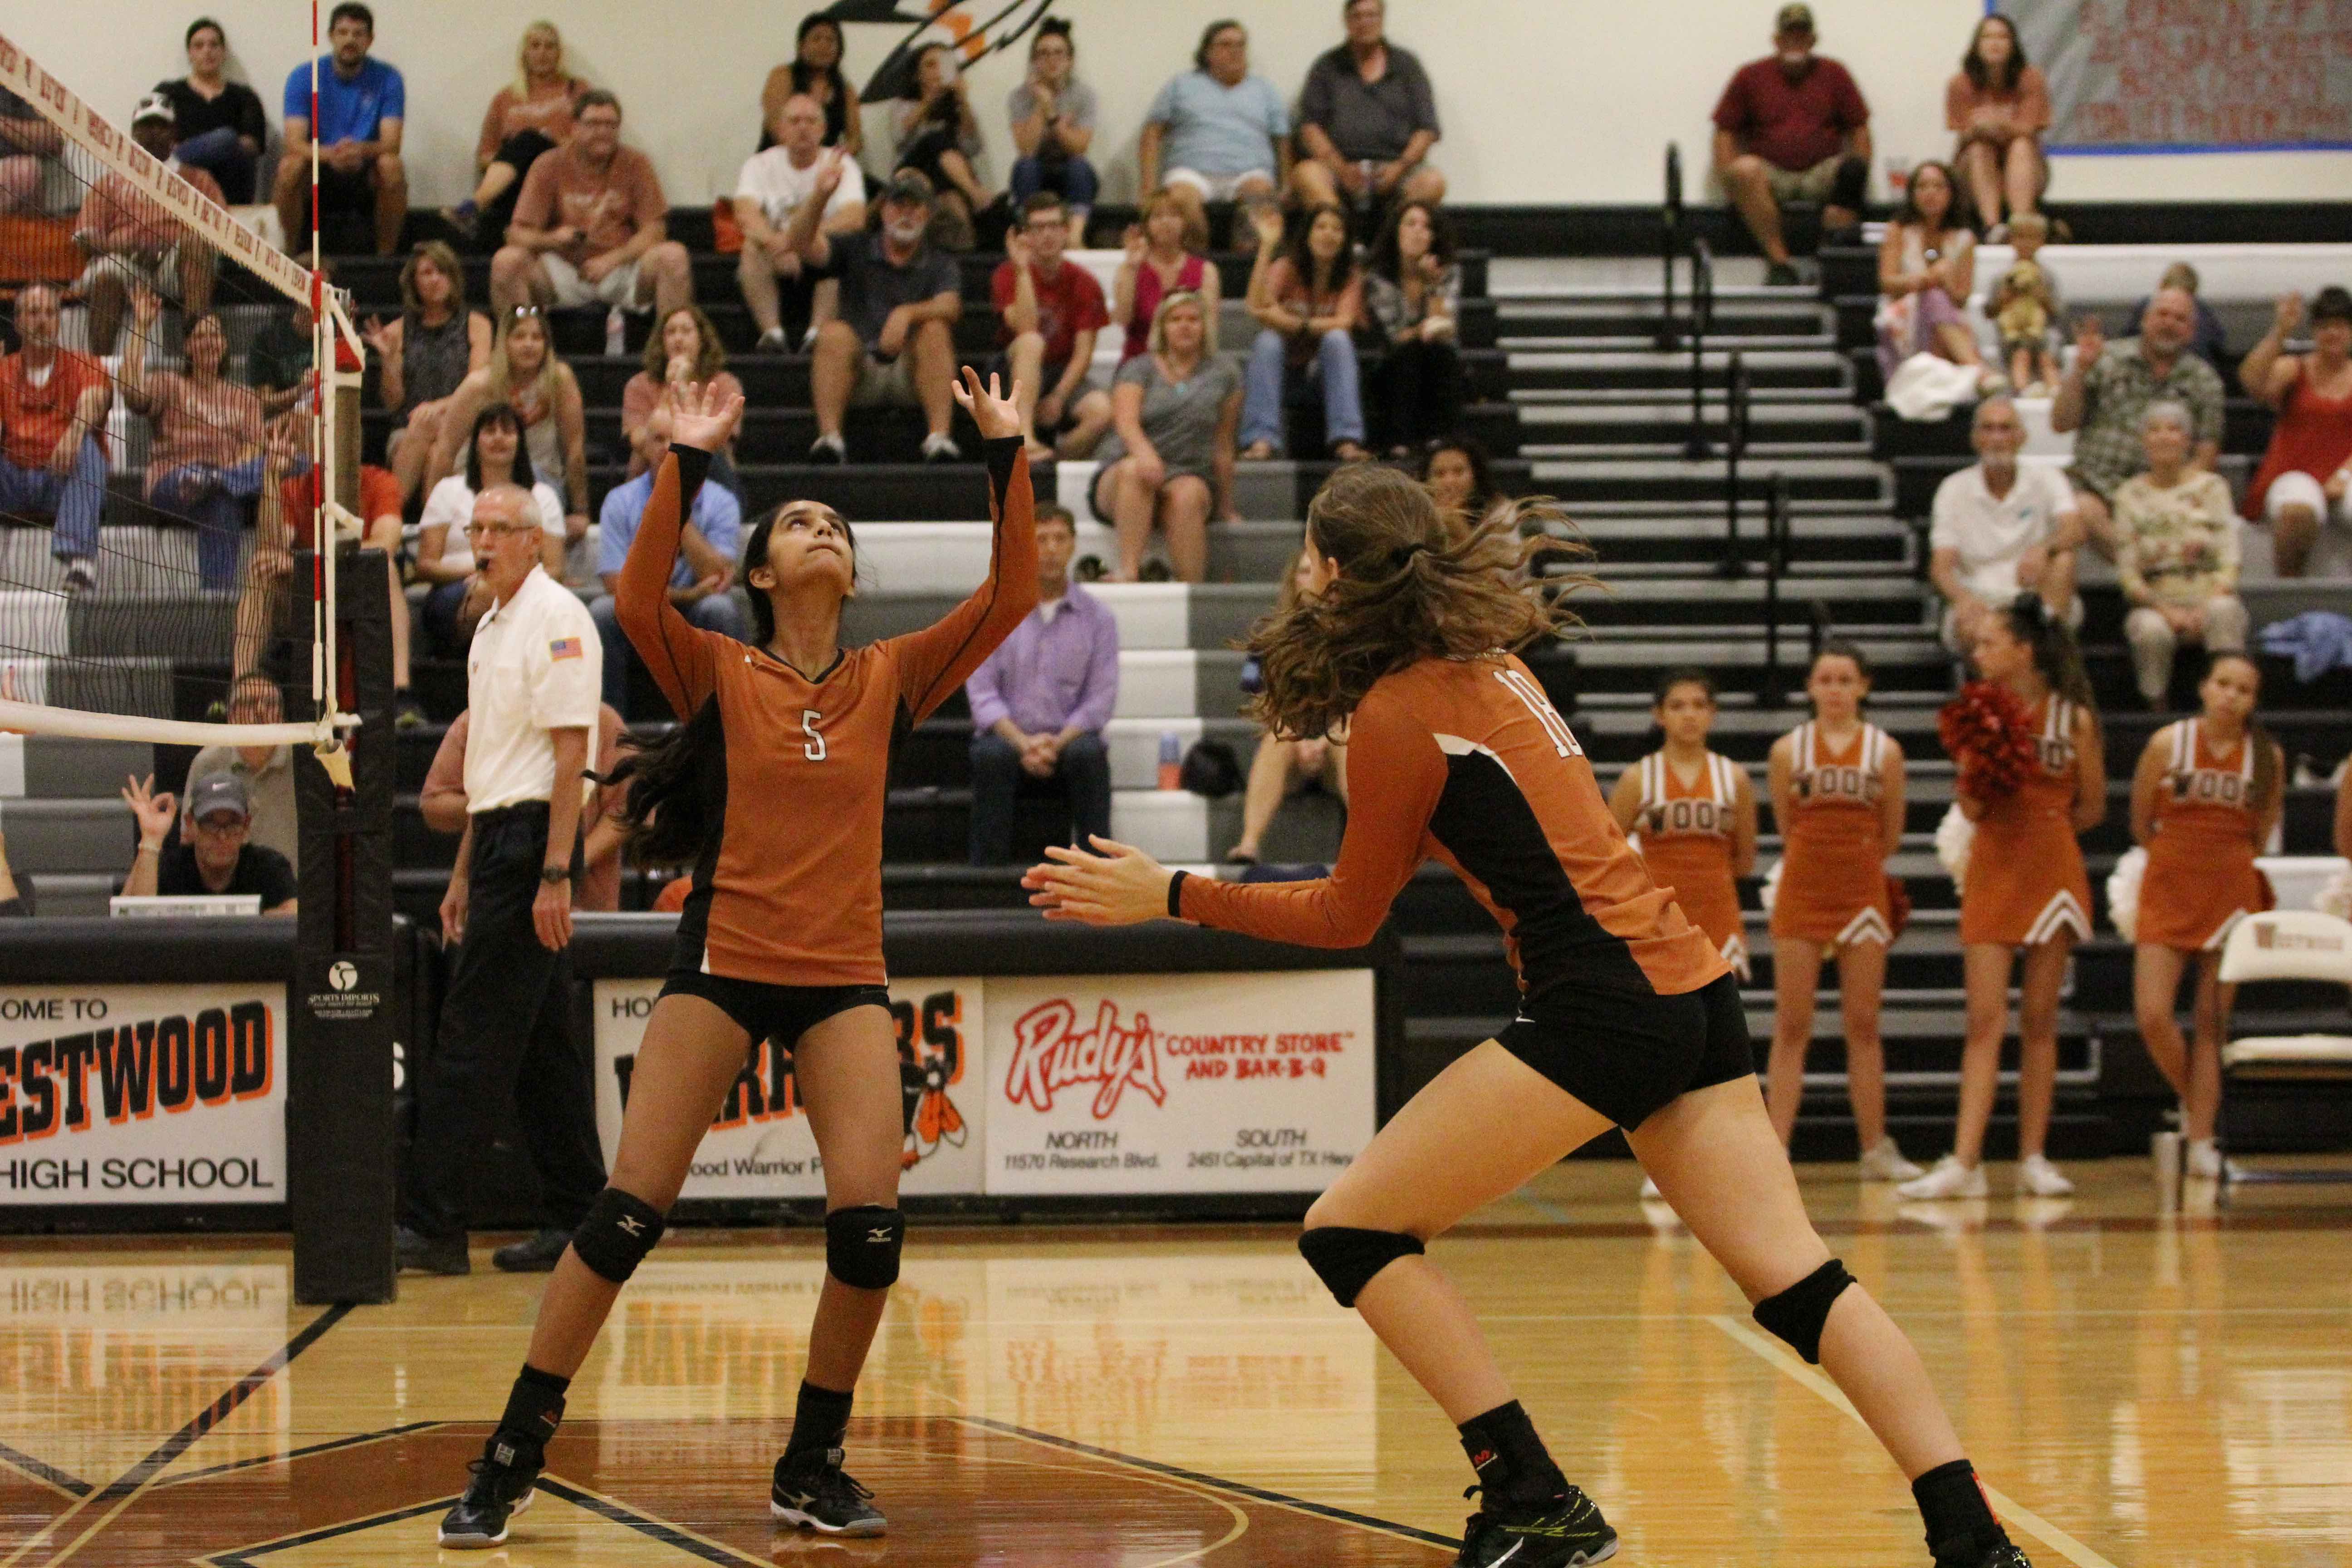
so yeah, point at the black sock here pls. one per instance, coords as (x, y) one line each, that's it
(820, 1420)
(1960, 1525)
(535, 1408)
(1513, 1465)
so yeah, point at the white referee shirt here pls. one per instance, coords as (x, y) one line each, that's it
(535, 666)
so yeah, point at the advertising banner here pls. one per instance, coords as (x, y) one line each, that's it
(760, 1145)
(142, 1094)
(1178, 1083)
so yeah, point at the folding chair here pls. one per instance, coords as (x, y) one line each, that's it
(2294, 945)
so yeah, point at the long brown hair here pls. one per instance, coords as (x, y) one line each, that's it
(2268, 761)
(1410, 587)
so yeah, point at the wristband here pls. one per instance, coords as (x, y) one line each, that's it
(1176, 895)
(554, 876)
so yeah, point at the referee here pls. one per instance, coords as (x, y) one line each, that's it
(532, 681)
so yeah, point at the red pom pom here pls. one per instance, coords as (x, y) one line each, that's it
(1989, 732)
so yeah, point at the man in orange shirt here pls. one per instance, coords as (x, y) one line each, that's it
(53, 408)
(591, 226)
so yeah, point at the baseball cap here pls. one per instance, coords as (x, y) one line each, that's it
(908, 185)
(1794, 19)
(154, 106)
(218, 792)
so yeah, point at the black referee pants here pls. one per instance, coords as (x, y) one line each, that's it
(506, 1029)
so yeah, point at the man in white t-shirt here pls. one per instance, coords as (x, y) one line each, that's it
(2001, 528)
(773, 186)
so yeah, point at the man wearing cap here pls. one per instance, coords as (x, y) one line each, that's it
(215, 858)
(531, 678)
(131, 239)
(1792, 127)
(893, 341)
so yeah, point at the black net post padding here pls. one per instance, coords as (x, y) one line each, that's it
(341, 1005)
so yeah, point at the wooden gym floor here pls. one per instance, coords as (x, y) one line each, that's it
(2138, 1386)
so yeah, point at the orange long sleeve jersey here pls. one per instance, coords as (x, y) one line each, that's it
(1467, 762)
(788, 887)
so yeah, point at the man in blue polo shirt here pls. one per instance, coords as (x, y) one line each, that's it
(362, 103)
(698, 584)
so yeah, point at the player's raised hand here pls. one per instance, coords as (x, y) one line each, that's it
(702, 415)
(995, 413)
(1118, 885)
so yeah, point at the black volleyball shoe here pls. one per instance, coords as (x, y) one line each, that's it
(500, 1488)
(2004, 1555)
(813, 1492)
(1566, 1532)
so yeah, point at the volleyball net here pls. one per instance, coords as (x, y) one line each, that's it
(170, 453)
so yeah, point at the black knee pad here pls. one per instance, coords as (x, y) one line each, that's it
(861, 1246)
(1851, 186)
(1345, 1260)
(617, 1233)
(1797, 1313)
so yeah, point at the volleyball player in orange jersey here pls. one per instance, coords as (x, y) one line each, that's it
(1694, 812)
(772, 787)
(1837, 794)
(1628, 1016)
(2204, 799)
(2025, 889)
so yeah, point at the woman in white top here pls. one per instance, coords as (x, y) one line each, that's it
(496, 455)
(1926, 266)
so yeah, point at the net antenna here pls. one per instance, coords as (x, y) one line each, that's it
(136, 603)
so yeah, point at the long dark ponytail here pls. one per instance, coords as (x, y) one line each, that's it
(2056, 655)
(2268, 766)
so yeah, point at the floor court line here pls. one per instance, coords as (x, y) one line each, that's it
(2009, 1508)
(304, 1452)
(45, 1473)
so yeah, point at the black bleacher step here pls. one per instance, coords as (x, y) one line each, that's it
(1609, 426)
(1660, 480)
(2245, 431)
(1637, 322)
(1534, 372)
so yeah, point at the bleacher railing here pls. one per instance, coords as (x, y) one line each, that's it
(1702, 319)
(1735, 446)
(1670, 248)
(1776, 566)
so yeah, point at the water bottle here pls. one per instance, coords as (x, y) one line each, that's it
(1171, 760)
(617, 334)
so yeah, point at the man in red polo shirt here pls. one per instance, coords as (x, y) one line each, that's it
(53, 407)
(1792, 127)
(1049, 312)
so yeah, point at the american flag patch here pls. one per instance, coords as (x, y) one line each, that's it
(563, 648)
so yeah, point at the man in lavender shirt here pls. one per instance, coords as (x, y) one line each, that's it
(1039, 703)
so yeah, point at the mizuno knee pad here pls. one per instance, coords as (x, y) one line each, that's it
(617, 1233)
(1797, 1313)
(1345, 1260)
(861, 1246)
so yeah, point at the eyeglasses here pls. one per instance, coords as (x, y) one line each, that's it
(495, 530)
(219, 825)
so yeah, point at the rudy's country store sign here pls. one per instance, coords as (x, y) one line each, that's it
(1067, 1085)
(142, 1094)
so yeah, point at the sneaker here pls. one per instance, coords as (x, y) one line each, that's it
(1997, 235)
(1157, 570)
(430, 1254)
(1565, 1532)
(82, 576)
(407, 713)
(829, 449)
(500, 1490)
(1650, 1194)
(537, 1254)
(941, 448)
(1949, 1179)
(2204, 1160)
(2005, 1555)
(1782, 274)
(2037, 1177)
(1882, 1161)
(813, 1493)
(774, 341)
(808, 341)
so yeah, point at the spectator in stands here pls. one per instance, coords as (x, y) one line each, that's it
(1792, 127)
(1049, 310)
(1159, 261)
(1927, 269)
(495, 454)
(2109, 386)
(935, 133)
(442, 802)
(1283, 767)
(266, 773)
(363, 106)
(1308, 300)
(15, 903)
(2210, 341)
(1053, 115)
(28, 141)
(2002, 527)
(53, 409)
(2307, 470)
(2176, 553)
(1454, 468)
(527, 118)
(683, 350)
(772, 185)
(1413, 290)
(424, 355)
(204, 458)
(1170, 455)
(277, 358)
(214, 859)
(1216, 133)
(132, 242)
(591, 226)
(221, 125)
(1367, 120)
(1999, 107)
(283, 524)
(894, 340)
(1040, 701)
(699, 583)
(544, 393)
(814, 70)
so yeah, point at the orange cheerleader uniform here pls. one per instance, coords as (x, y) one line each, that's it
(1687, 834)
(2201, 877)
(2025, 881)
(1833, 870)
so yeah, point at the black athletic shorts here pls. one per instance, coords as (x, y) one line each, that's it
(1627, 1056)
(783, 1012)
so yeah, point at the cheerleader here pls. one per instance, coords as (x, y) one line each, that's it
(1837, 794)
(2025, 889)
(2204, 800)
(1695, 812)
